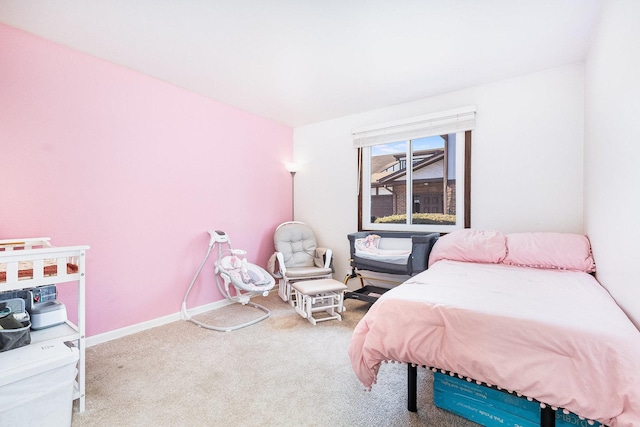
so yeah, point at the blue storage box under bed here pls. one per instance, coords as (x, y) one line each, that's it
(491, 407)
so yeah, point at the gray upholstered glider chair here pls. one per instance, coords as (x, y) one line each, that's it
(297, 257)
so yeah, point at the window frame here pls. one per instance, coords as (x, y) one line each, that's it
(463, 179)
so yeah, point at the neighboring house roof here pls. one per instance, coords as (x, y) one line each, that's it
(437, 156)
(379, 164)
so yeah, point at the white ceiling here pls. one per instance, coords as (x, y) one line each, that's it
(304, 61)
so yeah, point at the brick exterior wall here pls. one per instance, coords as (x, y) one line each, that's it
(396, 203)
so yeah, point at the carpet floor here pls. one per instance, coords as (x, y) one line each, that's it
(282, 371)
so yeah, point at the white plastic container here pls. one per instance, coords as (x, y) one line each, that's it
(47, 314)
(37, 383)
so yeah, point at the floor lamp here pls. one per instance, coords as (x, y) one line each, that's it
(292, 168)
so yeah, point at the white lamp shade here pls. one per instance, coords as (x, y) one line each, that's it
(292, 167)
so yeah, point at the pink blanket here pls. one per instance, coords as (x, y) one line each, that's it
(556, 336)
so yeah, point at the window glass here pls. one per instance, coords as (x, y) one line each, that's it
(388, 195)
(426, 196)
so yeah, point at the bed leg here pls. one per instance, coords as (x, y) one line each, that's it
(412, 388)
(547, 417)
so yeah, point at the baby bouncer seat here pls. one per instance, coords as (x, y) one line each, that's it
(238, 280)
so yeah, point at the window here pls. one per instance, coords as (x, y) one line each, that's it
(433, 194)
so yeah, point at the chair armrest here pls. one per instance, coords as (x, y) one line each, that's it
(281, 265)
(324, 257)
(276, 266)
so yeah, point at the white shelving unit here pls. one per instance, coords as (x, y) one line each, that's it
(17, 257)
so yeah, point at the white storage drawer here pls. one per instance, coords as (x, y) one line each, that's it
(37, 384)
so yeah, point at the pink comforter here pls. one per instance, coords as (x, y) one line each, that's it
(556, 336)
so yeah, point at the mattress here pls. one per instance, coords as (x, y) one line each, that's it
(369, 248)
(387, 256)
(554, 335)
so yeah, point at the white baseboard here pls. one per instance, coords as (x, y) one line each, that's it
(139, 327)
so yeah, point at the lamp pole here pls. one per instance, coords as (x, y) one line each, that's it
(293, 195)
(292, 168)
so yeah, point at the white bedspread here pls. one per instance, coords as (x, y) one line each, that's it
(556, 336)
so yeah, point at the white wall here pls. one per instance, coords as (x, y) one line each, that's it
(612, 152)
(527, 158)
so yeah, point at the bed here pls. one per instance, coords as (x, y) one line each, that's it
(32, 262)
(521, 312)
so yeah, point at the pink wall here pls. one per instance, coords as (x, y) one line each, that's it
(93, 153)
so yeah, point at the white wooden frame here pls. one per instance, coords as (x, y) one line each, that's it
(36, 251)
(460, 154)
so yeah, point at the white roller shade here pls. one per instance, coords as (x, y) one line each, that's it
(441, 123)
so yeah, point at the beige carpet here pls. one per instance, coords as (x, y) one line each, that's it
(279, 372)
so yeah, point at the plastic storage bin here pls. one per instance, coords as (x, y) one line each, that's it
(491, 407)
(37, 383)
